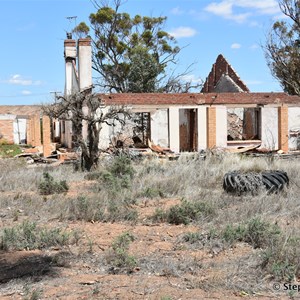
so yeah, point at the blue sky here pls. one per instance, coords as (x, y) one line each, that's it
(33, 31)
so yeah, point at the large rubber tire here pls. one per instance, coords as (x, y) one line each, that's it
(235, 182)
(275, 180)
(272, 181)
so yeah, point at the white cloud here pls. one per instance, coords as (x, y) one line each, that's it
(265, 7)
(17, 79)
(182, 32)
(26, 92)
(225, 9)
(191, 78)
(240, 10)
(177, 11)
(235, 46)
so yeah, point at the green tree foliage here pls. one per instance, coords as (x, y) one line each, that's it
(81, 30)
(282, 47)
(131, 54)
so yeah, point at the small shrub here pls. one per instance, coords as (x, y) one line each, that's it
(185, 212)
(255, 232)
(28, 236)
(120, 173)
(85, 208)
(192, 237)
(119, 211)
(123, 241)
(93, 176)
(152, 192)
(159, 215)
(119, 258)
(34, 294)
(49, 186)
(122, 166)
(115, 177)
(97, 208)
(281, 258)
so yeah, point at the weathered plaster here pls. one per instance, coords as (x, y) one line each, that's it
(269, 128)
(221, 126)
(174, 128)
(159, 127)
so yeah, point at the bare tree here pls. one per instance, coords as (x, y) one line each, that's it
(282, 48)
(85, 109)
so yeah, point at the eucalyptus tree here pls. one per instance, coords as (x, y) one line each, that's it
(282, 48)
(132, 53)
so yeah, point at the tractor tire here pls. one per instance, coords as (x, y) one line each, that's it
(240, 183)
(275, 180)
(235, 182)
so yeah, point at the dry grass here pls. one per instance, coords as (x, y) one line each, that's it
(114, 198)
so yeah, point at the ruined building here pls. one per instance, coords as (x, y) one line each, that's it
(195, 121)
(223, 114)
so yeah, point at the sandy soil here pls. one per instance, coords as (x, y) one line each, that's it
(167, 269)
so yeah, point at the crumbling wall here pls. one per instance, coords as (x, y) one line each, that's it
(235, 123)
(188, 129)
(243, 124)
(294, 128)
(159, 127)
(6, 128)
(183, 130)
(221, 126)
(20, 129)
(269, 128)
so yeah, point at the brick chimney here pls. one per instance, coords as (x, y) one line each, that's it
(70, 65)
(71, 86)
(85, 63)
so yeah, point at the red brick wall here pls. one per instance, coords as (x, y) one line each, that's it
(84, 42)
(198, 98)
(7, 130)
(211, 127)
(47, 149)
(220, 67)
(283, 128)
(34, 131)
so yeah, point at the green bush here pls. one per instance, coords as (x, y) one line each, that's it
(184, 213)
(152, 192)
(28, 236)
(255, 232)
(281, 258)
(116, 176)
(49, 186)
(192, 237)
(121, 166)
(95, 208)
(93, 176)
(118, 258)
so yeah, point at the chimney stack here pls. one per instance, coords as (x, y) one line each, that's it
(85, 63)
(70, 62)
